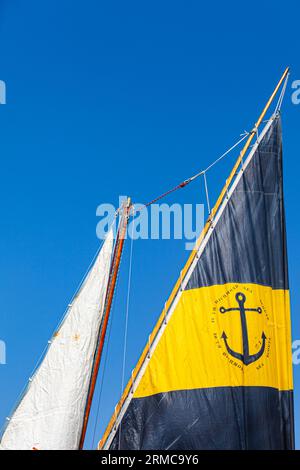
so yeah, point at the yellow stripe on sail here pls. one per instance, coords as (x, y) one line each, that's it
(193, 351)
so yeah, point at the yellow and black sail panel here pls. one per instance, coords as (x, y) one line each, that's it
(220, 336)
(219, 371)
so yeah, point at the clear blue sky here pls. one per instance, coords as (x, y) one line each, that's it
(112, 98)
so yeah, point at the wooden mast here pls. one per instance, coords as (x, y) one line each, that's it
(108, 303)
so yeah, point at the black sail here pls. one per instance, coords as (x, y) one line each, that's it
(220, 373)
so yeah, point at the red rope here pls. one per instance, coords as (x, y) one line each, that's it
(179, 186)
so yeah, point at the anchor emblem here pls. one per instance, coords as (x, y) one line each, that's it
(246, 358)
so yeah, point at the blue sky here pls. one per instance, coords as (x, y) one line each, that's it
(113, 98)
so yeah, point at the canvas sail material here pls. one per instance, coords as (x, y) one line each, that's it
(219, 373)
(51, 412)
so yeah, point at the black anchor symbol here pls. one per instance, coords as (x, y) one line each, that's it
(246, 358)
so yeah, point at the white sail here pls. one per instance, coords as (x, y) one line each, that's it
(51, 412)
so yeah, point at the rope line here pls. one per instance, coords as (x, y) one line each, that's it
(243, 137)
(126, 321)
(181, 185)
(282, 94)
(206, 192)
(197, 175)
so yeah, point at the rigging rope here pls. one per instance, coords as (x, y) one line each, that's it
(181, 185)
(245, 135)
(281, 96)
(126, 319)
(200, 173)
(206, 192)
(192, 178)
